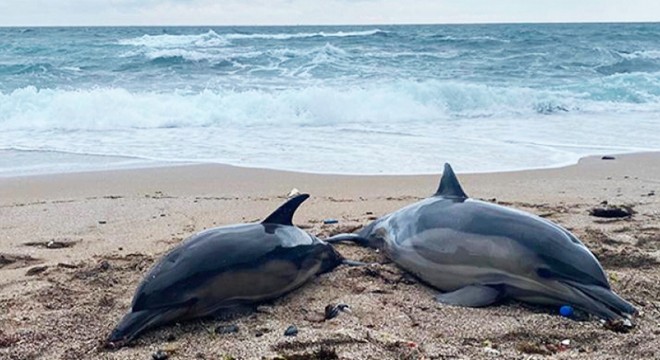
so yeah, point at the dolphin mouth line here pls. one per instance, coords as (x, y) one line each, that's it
(627, 316)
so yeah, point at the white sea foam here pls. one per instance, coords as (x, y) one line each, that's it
(208, 39)
(381, 127)
(213, 39)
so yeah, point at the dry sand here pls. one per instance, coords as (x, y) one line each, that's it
(75, 246)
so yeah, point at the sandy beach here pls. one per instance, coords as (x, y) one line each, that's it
(73, 248)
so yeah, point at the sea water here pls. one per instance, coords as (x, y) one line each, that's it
(349, 99)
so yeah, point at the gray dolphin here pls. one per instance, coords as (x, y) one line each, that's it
(479, 253)
(227, 267)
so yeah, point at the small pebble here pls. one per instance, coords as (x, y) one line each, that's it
(226, 329)
(608, 157)
(160, 355)
(102, 222)
(330, 221)
(104, 265)
(291, 331)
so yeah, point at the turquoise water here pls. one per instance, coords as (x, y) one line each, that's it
(350, 99)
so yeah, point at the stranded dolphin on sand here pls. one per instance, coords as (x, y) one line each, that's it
(479, 253)
(227, 267)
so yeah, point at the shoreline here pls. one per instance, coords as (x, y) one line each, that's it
(112, 225)
(121, 163)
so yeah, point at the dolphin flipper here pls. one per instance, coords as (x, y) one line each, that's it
(354, 238)
(471, 296)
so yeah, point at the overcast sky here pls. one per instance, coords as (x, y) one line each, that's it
(300, 12)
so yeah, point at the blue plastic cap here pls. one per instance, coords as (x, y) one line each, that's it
(566, 311)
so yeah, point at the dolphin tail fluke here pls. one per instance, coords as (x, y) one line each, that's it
(130, 326)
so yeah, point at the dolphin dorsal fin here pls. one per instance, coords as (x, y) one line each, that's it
(284, 214)
(449, 185)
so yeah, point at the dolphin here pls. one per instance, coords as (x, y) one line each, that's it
(478, 253)
(227, 267)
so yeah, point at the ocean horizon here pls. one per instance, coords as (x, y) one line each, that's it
(370, 99)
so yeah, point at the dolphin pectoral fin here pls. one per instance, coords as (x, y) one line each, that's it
(354, 238)
(470, 296)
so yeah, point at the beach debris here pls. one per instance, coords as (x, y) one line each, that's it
(619, 325)
(330, 221)
(261, 331)
(7, 340)
(12, 260)
(607, 157)
(67, 266)
(566, 311)
(226, 329)
(321, 354)
(51, 244)
(292, 330)
(611, 211)
(565, 344)
(102, 222)
(160, 355)
(106, 301)
(104, 265)
(36, 270)
(333, 310)
(528, 347)
(293, 192)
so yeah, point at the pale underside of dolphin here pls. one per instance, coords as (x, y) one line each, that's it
(227, 267)
(478, 253)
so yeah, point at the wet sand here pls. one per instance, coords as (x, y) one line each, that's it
(75, 246)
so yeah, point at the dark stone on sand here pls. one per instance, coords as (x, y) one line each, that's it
(330, 221)
(160, 355)
(226, 329)
(292, 330)
(102, 222)
(104, 265)
(608, 158)
(611, 212)
(36, 270)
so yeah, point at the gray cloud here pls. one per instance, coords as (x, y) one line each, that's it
(263, 12)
